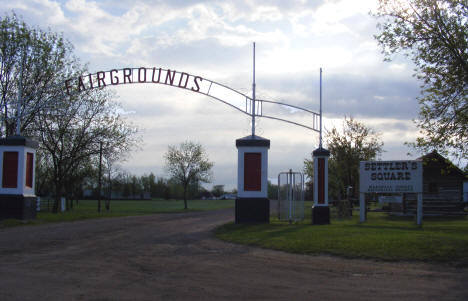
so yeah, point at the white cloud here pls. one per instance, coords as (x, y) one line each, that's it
(214, 39)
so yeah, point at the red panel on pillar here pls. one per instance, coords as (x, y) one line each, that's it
(10, 170)
(321, 180)
(29, 169)
(252, 171)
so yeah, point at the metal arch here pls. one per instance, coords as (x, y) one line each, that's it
(125, 76)
(291, 122)
(288, 105)
(314, 115)
(95, 84)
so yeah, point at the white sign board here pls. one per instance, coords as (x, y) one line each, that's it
(390, 176)
(390, 199)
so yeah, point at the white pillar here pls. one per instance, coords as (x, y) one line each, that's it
(252, 204)
(17, 177)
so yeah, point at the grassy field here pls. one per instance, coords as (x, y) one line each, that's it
(86, 209)
(382, 237)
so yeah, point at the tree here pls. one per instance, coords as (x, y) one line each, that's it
(272, 191)
(149, 183)
(188, 164)
(356, 142)
(434, 33)
(34, 66)
(217, 190)
(44, 180)
(161, 189)
(71, 133)
(194, 190)
(38, 62)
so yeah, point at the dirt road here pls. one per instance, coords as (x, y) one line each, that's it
(175, 257)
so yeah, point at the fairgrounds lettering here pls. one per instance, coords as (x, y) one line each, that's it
(133, 75)
(193, 83)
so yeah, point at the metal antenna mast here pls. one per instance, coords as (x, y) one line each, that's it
(320, 141)
(253, 93)
(20, 96)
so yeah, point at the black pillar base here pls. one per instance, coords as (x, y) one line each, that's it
(320, 215)
(17, 206)
(252, 211)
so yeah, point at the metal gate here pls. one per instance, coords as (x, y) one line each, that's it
(290, 196)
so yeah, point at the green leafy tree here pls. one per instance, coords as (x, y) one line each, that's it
(188, 164)
(434, 34)
(217, 190)
(37, 61)
(71, 133)
(148, 182)
(44, 180)
(272, 191)
(176, 190)
(34, 64)
(356, 142)
(160, 189)
(194, 190)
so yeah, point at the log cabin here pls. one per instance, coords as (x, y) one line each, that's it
(442, 188)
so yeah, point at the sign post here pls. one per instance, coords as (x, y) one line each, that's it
(419, 213)
(390, 177)
(362, 207)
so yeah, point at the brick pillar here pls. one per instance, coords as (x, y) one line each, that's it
(320, 210)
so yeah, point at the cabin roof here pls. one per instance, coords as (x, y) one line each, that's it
(434, 160)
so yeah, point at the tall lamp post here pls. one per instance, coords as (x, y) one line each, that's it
(252, 203)
(320, 209)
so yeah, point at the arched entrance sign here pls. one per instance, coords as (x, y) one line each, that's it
(252, 204)
(241, 102)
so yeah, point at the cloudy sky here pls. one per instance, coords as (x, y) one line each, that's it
(213, 39)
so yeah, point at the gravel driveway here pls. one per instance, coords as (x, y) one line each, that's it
(176, 257)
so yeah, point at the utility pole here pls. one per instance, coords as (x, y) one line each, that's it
(20, 97)
(109, 195)
(100, 176)
(253, 93)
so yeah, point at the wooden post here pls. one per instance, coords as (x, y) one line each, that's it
(419, 214)
(362, 207)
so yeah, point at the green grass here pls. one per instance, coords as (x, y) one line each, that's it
(380, 237)
(86, 209)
